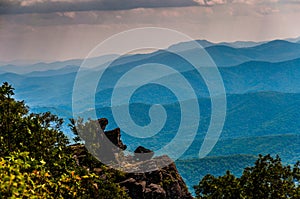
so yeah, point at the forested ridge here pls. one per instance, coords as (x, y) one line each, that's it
(36, 161)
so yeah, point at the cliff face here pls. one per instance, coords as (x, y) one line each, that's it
(160, 181)
(164, 183)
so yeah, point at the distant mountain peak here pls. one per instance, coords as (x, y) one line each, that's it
(279, 43)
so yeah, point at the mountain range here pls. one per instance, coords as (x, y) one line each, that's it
(261, 79)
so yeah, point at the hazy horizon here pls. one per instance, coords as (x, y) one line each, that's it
(57, 30)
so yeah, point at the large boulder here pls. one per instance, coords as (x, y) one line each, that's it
(141, 153)
(103, 123)
(115, 137)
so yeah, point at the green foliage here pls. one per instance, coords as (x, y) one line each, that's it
(11, 113)
(38, 134)
(22, 176)
(226, 186)
(98, 144)
(36, 161)
(268, 178)
(193, 170)
(86, 131)
(73, 127)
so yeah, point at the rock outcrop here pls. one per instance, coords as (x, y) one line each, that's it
(142, 154)
(162, 183)
(148, 177)
(115, 137)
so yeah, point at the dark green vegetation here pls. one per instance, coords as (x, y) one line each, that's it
(268, 179)
(35, 161)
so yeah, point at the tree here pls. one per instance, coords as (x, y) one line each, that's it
(38, 134)
(11, 113)
(36, 161)
(268, 178)
(226, 186)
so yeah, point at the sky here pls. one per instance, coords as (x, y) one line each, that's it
(56, 30)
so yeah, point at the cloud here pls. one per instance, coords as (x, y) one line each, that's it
(255, 2)
(267, 10)
(210, 2)
(50, 6)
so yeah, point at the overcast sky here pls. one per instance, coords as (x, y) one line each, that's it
(51, 30)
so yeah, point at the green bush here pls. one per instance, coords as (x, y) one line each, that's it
(36, 162)
(268, 178)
